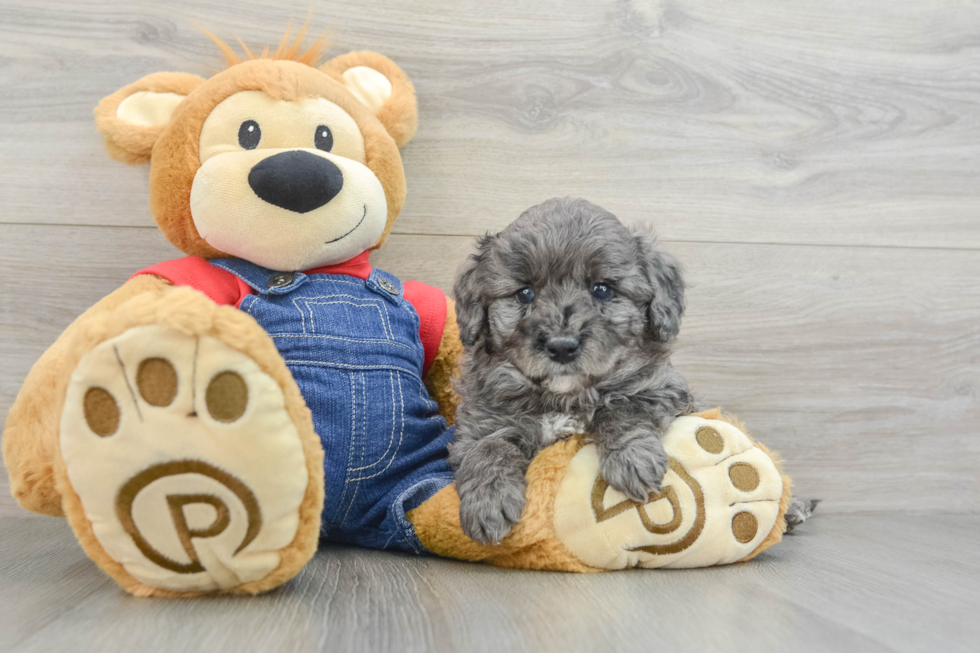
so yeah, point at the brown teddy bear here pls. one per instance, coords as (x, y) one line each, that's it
(206, 424)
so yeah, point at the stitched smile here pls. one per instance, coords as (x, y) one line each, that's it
(363, 215)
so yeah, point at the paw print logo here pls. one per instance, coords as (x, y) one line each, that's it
(177, 503)
(719, 500)
(667, 494)
(187, 464)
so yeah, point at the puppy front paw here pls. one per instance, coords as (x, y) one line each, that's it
(636, 469)
(488, 515)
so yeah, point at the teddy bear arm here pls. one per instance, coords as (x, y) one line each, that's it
(445, 367)
(30, 436)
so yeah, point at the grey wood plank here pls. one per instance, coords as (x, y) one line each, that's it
(876, 582)
(859, 365)
(795, 122)
(729, 127)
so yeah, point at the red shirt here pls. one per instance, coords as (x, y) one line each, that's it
(225, 289)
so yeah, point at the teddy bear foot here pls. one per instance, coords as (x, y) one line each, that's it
(723, 500)
(184, 471)
(720, 503)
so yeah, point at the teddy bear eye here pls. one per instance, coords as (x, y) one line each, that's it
(323, 138)
(249, 135)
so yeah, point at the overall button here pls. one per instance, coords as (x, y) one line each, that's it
(387, 286)
(280, 279)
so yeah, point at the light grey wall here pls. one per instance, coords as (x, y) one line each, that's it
(815, 166)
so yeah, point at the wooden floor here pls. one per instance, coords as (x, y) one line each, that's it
(815, 164)
(864, 583)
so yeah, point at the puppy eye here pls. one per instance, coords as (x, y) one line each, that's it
(602, 292)
(249, 135)
(525, 295)
(323, 138)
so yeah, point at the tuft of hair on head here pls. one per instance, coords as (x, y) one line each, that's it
(288, 50)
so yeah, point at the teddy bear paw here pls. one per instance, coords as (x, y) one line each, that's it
(189, 470)
(718, 502)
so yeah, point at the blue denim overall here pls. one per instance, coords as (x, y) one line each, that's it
(353, 347)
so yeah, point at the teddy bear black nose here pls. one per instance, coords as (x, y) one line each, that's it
(296, 180)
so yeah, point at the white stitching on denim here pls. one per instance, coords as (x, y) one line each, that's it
(391, 440)
(363, 412)
(401, 434)
(360, 437)
(357, 486)
(363, 303)
(401, 519)
(363, 439)
(424, 396)
(363, 284)
(251, 303)
(382, 314)
(417, 331)
(354, 340)
(406, 370)
(416, 320)
(376, 303)
(302, 313)
(350, 454)
(350, 283)
(387, 319)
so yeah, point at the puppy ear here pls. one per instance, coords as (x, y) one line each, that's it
(471, 314)
(132, 119)
(380, 85)
(667, 284)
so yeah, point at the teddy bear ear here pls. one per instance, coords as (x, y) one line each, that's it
(132, 119)
(380, 85)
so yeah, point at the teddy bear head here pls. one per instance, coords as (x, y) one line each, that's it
(272, 160)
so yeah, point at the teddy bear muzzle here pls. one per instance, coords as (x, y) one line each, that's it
(287, 209)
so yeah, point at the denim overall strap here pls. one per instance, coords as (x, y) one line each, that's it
(262, 280)
(387, 285)
(353, 348)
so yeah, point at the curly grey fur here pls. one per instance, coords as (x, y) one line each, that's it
(799, 511)
(621, 386)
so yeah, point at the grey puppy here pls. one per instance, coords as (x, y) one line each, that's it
(568, 318)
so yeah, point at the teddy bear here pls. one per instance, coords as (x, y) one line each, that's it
(205, 426)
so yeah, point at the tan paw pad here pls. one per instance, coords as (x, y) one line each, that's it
(718, 501)
(185, 460)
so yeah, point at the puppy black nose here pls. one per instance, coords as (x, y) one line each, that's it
(296, 181)
(564, 349)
